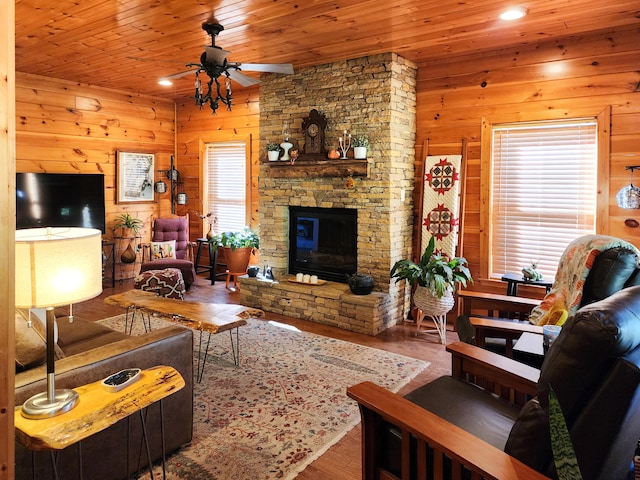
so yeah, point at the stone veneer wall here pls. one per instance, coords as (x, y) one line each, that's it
(373, 95)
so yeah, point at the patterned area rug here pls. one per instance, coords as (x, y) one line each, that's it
(282, 407)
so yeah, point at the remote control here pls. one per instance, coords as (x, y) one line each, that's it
(118, 381)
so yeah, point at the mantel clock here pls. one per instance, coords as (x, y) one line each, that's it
(314, 127)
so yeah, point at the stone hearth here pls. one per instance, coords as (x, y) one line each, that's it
(374, 96)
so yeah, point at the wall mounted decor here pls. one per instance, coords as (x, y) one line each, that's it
(134, 177)
(441, 202)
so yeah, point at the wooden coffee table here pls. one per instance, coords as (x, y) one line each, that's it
(204, 317)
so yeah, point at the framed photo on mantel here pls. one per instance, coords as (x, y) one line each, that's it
(134, 177)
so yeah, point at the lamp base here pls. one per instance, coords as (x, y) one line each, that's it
(39, 405)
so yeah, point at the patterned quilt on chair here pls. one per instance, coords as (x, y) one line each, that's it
(565, 296)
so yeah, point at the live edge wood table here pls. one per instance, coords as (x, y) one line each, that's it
(98, 409)
(204, 317)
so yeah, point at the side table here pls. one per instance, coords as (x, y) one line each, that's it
(109, 261)
(213, 260)
(98, 409)
(515, 279)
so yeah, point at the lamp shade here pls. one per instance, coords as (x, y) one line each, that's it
(57, 266)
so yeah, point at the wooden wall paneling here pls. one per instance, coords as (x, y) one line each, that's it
(7, 239)
(66, 127)
(451, 99)
(196, 127)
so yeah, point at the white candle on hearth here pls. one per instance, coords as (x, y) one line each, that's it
(299, 277)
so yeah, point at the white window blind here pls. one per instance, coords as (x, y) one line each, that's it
(544, 188)
(226, 185)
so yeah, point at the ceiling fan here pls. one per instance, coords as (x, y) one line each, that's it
(213, 62)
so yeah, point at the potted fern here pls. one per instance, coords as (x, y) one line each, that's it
(435, 279)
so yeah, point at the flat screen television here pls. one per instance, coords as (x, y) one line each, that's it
(60, 200)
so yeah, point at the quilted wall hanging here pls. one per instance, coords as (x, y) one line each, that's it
(441, 202)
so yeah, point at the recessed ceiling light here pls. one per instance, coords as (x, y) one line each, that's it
(165, 82)
(513, 13)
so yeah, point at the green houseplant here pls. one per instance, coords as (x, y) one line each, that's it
(126, 221)
(435, 278)
(236, 247)
(273, 151)
(436, 272)
(360, 143)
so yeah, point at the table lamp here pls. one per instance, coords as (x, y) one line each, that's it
(55, 266)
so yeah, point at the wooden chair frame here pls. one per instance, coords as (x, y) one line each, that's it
(510, 329)
(509, 379)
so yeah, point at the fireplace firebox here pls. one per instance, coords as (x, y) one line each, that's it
(323, 242)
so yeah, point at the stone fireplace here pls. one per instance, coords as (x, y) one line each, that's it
(374, 96)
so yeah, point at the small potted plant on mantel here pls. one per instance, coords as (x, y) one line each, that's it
(360, 143)
(237, 248)
(435, 278)
(273, 152)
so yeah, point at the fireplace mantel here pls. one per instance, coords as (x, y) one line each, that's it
(318, 168)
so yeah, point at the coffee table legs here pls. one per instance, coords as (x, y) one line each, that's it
(235, 351)
(128, 328)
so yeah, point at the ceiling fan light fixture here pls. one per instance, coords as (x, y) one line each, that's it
(165, 82)
(513, 13)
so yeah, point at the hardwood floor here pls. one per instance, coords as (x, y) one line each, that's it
(342, 461)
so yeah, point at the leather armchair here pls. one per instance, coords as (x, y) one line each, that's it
(450, 427)
(611, 270)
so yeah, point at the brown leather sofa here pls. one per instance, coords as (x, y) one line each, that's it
(93, 352)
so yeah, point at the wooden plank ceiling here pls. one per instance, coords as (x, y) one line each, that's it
(129, 44)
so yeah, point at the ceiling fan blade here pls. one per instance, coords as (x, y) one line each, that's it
(242, 79)
(216, 54)
(267, 67)
(180, 74)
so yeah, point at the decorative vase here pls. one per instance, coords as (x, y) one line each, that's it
(273, 155)
(360, 284)
(210, 233)
(129, 255)
(286, 146)
(360, 152)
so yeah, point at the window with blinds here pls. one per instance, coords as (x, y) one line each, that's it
(543, 192)
(226, 184)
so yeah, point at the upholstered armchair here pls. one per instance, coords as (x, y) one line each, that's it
(170, 248)
(591, 268)
(451, 427)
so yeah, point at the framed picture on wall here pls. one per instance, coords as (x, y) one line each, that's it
(134, 177)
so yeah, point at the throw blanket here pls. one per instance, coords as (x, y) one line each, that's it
(565, 296)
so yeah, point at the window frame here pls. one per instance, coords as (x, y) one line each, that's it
(603, 119)
(204, 172)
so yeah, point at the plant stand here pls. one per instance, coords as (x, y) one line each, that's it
(434, 307)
